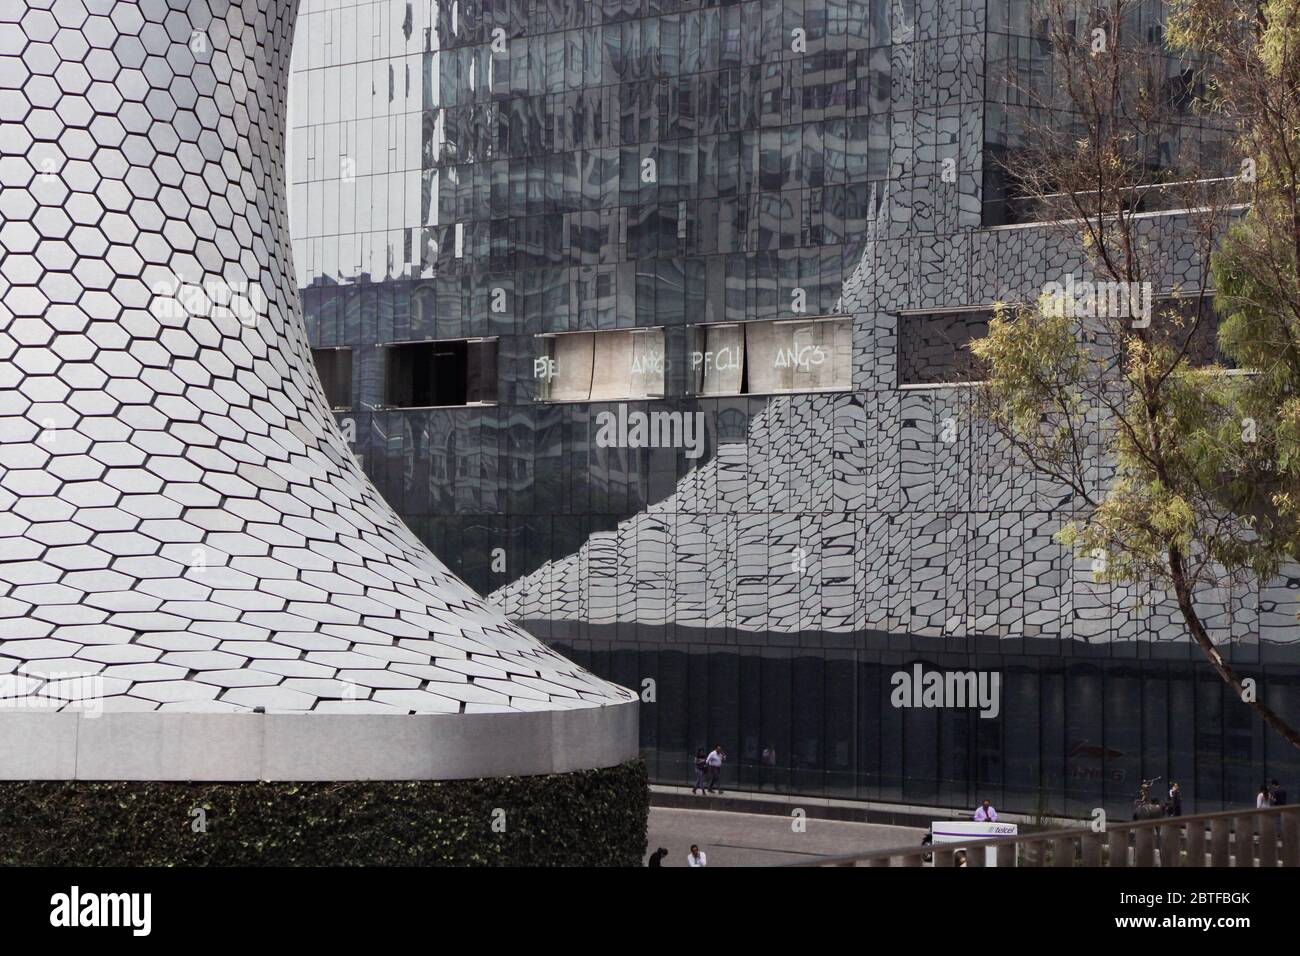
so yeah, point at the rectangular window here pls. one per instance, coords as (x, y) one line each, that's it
(772, 357)
(449, 372)
(334, 366)
(718, 361)
(600, 366)
(934, 348)
(1191, 326)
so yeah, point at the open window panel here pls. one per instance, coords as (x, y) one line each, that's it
(773, 357)
(600, 366)
(441, 374)
(934, 347)
(334, 366)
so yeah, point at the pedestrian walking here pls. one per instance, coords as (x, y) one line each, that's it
(701, 768)
(1264, 798)
(657, 857)
(714, 761)
(1277, 794)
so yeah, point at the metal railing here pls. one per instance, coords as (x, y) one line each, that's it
(1267, 837)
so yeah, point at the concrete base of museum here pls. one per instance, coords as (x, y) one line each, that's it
(161, 746)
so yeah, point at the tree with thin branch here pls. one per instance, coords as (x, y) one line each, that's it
(1178, 441)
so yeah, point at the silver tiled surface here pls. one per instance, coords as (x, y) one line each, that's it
(178, 512)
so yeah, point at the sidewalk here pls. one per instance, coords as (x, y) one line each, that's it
(750, 839)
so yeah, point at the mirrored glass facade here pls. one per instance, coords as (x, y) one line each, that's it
(763, 547)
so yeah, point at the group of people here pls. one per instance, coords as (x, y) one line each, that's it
(1270, 794)
(708, 768)
(696, 857)
(1147, 806)
(1173, 805)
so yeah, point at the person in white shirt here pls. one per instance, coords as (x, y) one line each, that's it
(715, 766)
(986, 813)
(695, 857)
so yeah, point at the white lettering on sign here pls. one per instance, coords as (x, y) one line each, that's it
(722, 360)
(648, 362)
(799, 357)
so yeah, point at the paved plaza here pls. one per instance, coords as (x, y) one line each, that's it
(759, 839)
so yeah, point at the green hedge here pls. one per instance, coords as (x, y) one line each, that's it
(589, 818)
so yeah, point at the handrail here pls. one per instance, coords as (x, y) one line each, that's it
(1115, 836)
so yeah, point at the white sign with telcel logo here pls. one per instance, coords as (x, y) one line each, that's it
(964, 831)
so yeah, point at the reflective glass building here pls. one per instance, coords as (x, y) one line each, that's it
(646, 315)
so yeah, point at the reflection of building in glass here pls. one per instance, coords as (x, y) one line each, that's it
(594, 184)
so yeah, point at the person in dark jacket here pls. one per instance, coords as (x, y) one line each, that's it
(657, 857)
(1174, 808)
(701, 768)
(1277, 793)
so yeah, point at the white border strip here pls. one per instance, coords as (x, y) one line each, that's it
(240, 747)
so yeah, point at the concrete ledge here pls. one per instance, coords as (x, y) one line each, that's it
(301, 747)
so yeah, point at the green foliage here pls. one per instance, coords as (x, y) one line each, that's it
(1184, 470)
(1256, 267)
(588, 818)
(1036, 366)
(1182, 476)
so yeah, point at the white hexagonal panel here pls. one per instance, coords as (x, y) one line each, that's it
(181, 516)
